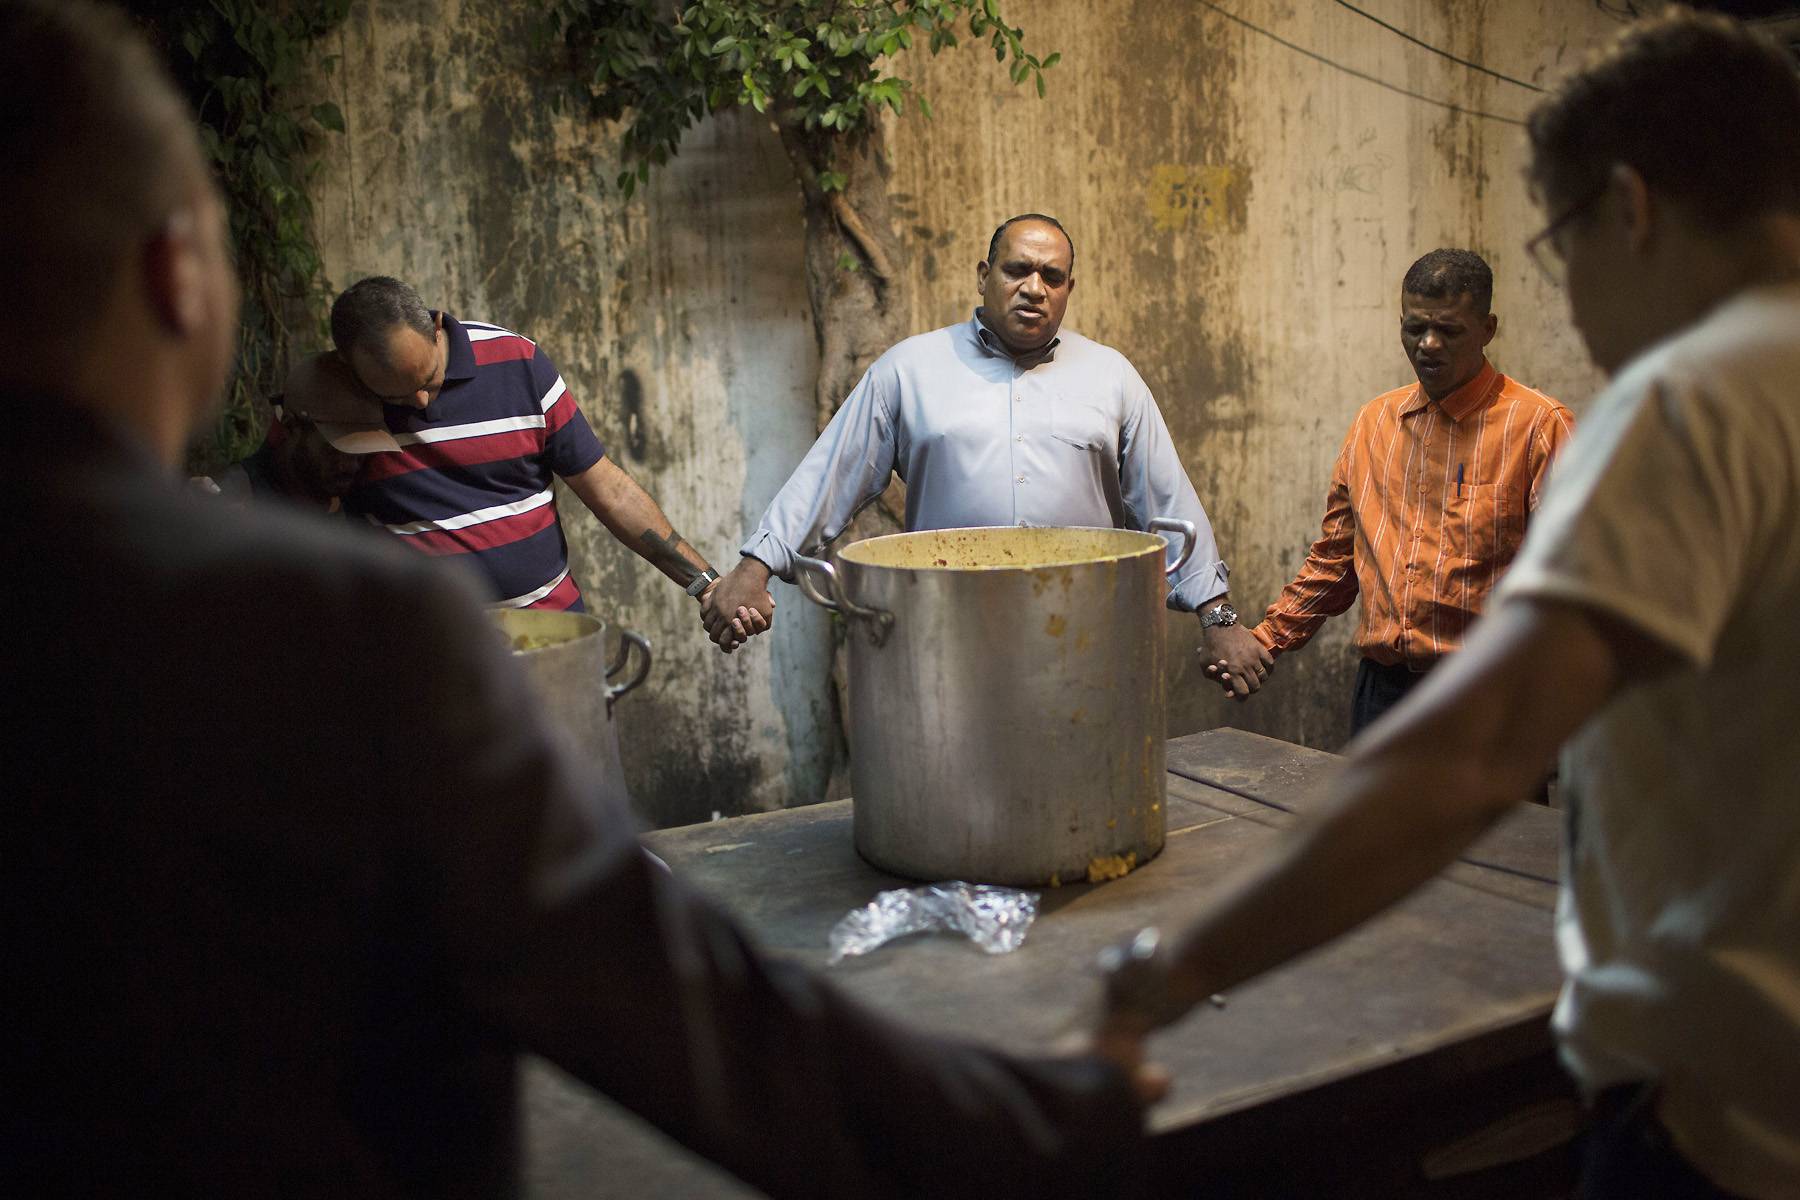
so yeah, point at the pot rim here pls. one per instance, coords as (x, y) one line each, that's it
(503, 617)
(1147, 544)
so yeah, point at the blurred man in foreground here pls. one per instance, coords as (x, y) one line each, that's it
(291, 944)
(1647, 627)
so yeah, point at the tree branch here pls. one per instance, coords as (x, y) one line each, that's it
(851, 222)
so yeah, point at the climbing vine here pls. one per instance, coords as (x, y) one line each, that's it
(242, 62)
(818, 67)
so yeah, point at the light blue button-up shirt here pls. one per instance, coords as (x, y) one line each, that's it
(1067, 435)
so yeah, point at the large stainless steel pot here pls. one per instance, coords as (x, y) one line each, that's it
(565, 655)
(1007, 703)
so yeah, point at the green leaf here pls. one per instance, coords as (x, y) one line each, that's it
(1052, 60)
(329, 116)
(1040, 87)
(925, 107)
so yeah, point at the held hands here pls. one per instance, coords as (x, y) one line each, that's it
(1235, 660)
(738, 606)
(1135, 1004)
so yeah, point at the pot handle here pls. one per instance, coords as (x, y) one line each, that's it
(1189, 539)
(628, 639)
(804, 568)
(880, 622)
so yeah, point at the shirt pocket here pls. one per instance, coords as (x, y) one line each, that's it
(1083, 425)
(1472, 521)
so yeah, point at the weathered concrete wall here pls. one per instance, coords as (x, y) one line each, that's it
(1243, 216)
(678, 322)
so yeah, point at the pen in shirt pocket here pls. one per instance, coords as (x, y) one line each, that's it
(1459, 469)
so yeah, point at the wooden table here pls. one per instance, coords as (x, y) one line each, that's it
(1409, 1058)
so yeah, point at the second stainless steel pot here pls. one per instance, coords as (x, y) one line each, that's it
(564, 653)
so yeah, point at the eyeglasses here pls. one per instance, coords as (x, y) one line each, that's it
(1543, 248)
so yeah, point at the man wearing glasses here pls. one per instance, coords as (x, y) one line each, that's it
(1647, 627)
(1429, 496)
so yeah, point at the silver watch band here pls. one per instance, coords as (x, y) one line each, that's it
(1224, 614)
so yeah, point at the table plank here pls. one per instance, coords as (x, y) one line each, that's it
(1525, 843)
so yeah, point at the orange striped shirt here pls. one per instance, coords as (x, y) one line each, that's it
(1428, 505)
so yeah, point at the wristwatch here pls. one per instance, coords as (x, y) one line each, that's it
(1136, 980)
(1222, 615)
(702, 581)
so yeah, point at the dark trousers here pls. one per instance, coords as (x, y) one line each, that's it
(1378, 688)
(1627, 1155)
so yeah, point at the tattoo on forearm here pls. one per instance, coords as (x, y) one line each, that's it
(665, 552)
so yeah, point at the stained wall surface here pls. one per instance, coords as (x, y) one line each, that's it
(1243, 214)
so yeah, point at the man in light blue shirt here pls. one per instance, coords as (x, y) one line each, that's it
(998, 421)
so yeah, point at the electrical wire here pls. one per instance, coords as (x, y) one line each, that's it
(1473, 66)
(1362, 75)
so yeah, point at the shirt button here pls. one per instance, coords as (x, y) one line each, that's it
(1018, 399)
(1019, 437)
(1021, 479)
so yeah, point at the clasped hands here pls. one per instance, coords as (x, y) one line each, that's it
(738, 606)
(1235, 660)
(1137, 999)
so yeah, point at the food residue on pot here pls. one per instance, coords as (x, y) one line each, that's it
(1111, 866)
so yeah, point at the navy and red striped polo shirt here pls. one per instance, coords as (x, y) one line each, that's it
(475, 470)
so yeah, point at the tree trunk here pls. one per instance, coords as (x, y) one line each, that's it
(857, 296)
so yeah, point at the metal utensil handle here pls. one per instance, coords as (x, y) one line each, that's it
(1190, 539)
(880, 622)
(618, 662)
(804, 568)
(628, 639)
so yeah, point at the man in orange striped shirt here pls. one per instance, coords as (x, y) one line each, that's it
(1429, 497)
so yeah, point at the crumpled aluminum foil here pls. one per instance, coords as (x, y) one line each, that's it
(994, 918)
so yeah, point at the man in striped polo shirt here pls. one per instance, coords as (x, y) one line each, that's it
(484, 423)
(1429, 496)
